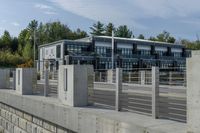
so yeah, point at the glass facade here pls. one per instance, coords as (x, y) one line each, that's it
(127, 55)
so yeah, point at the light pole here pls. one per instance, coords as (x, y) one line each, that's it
(34, 40)
(113, 50)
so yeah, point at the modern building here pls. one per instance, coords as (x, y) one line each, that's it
(97, 50)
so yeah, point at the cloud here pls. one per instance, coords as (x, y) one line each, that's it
(3, 21)
(130, 11)
(46, 9)
(15, 24)
(50, 13)
(191, 22)
(42, 6)
(103, 10)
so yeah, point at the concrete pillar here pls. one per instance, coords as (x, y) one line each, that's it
(67, 59)
(170, 77)
(129, 77)
(110, 76)
(193, 92)
(26, 79)
(14, 80)
(155, 92)
(100, 77)
(46, 83)
(142, 77)
(118, 91)
(4, 78)
(73, 85)
(91, 80)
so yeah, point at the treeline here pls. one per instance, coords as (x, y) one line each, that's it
(16, 51)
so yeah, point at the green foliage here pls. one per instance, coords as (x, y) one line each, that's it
(141, 36)
(123, 31)
(28, 51)
(109, 28)
(195, 45)
(98, 29)
(15, 51)
(163, 37)
(8, 59)
(6, 40)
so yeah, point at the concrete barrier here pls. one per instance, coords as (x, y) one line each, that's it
(193, 92)
(73, 85)
(25, 80)
(4, 78)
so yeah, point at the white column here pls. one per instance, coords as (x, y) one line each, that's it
(142, 76)
(73, 85)
(26, 79)
(118, 91)
(46, 83)
(155, 92)
(110, 76)
(193, 92)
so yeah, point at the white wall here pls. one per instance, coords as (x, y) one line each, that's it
(125, 45)
(143, 47)
(103, 44)
(49, 52)
(159, 48)
(176, 50)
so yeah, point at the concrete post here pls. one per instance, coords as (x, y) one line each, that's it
(193, 93)
(46, 83)
(67, 59)
(26, 79)
(155, 92)
(90, 83)
(118, 91)
(129, 77)
(142, 76)
(4, 78)
(110, 76)
(100, 77)
(170, 77)
(73, 85)
(14, 80)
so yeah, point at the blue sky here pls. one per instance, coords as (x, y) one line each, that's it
(149, 17)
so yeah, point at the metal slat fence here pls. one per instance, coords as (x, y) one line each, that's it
(137, 96)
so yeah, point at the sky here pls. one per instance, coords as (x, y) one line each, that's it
(149, 17)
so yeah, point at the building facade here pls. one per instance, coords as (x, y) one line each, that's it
(97, 51)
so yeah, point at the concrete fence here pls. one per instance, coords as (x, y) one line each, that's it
(76, 88)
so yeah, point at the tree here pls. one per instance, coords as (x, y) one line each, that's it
(33, 25)
(153, 38)
(97, 29)
(14, 44)
(171, 40)
(109, 28)
(165, 37)
(6, 40)
(123, 31)
(28, 51)
(141, 36)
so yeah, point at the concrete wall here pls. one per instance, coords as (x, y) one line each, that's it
(83, 120)
(4, 78)
(15, 121)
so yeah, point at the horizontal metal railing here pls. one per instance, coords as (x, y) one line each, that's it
(136, 97)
